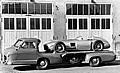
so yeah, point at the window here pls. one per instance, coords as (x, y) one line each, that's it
(37, 8)
(85, 9)
(72, 24)
(69, 9)
(21, 8)
(46, 23)
(18, 8)
(20, 23)
(105, 23)
(102, 9)
(97, 9)
(9, 23)
(11, 8)
(74, 9)
(88, 9)
(49, 8)
(82, 23)
(31, 8)
(92, 7)
(24, 8)
(5, 8)
(80, 9)
(95, 23)
(40, 8)
(108, 10)
(34, 23)
(43, 8)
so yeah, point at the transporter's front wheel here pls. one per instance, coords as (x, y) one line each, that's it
(42, 64)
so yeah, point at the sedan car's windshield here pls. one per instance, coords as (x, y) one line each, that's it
(18, 43)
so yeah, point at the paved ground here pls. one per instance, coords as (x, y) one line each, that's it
(113, 67)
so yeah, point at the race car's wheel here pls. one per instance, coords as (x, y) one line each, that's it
(97, 46)
(60, 47)
(42, 64)
(74, 60)
(94, 61)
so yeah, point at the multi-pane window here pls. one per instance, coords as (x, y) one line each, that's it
(9, 23)
(95, 23)
(40, 8)
(21, 8)
(20, 23)
(82, 23)
(88, 9)
(34, 23)
(14, 8)
(46, 23)
(105, 23)
(72, 24)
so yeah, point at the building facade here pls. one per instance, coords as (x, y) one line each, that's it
(58, 19)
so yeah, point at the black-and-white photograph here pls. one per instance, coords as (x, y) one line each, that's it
(59, 36)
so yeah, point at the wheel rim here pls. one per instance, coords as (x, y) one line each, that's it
(43, 64)
(98, 46)
(74, 60)
(60, 47)
(95, 62)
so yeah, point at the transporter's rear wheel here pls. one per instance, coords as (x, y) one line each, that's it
(96, 61)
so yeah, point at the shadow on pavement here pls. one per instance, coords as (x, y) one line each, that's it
(28, 67)
(117, 62)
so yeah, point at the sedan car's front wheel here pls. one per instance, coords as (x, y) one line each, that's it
(42, 64)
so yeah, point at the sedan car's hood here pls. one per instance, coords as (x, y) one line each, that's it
(9, 50)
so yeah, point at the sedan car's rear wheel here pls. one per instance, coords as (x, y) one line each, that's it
(42, 64)
(94, 61)
(97, 46)
(60, 47)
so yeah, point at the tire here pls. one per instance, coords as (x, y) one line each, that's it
(42, 64)
(97, 46)
(94, 62)
(60, 47)
(74, 60)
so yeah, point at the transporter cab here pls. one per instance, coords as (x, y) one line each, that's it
(26, 51)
